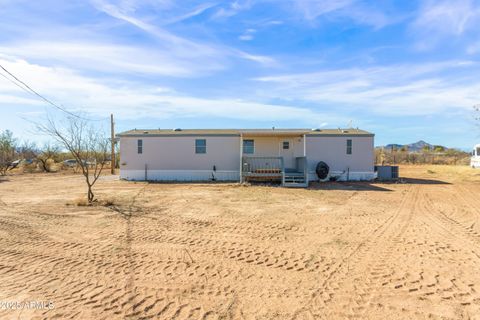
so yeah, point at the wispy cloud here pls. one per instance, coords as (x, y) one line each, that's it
(193, 13)
(170, 39)
(95, 56)
(180, 46)
(413, 89)
(447, 17)
(247, 35)
(348, 9)
(437, 20)
(130, 100)
(232, 9)
(473, 48)
(313, 9)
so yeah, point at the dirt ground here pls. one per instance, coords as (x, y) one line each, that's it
(408, 250)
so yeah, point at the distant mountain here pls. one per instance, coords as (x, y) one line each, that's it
(419, 145)
(412, 147)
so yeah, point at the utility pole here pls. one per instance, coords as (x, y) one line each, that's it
(112, 129)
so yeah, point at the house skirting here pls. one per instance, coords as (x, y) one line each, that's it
(345, 176)
(180, 175)
(226, 175)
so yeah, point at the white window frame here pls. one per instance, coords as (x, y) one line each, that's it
(245, 148)
(349, 146)
(198, 148)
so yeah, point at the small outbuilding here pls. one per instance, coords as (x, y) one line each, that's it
(290, 156)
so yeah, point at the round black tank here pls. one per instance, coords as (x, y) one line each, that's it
(322, 170)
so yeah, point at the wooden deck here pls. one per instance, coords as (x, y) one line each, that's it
(272, 169)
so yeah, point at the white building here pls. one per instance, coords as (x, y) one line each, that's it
(289, 155)
(475, 159)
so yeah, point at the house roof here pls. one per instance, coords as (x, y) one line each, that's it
(244, 132)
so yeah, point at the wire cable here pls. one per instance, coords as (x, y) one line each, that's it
(28, 89)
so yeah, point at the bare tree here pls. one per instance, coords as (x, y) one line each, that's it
(87, 144)
(7, 151)
(27, 150)
(46, 155)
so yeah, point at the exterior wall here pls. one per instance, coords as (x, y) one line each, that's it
(173, 158)
(264, 146)
(333, 151)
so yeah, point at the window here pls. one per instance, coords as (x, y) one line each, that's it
(349, 146)
(139, 146)
(200, 146)
(248, 146)
(286, 145)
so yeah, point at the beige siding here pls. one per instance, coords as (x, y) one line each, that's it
(174, 157)
(178, 153)
(332, 150)
(264, 146)
(271, 146)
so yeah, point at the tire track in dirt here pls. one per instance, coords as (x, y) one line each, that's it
(410, 279)
(440, 239)
(472, 202)
(461, 230)
(330, 296)
(196, 264)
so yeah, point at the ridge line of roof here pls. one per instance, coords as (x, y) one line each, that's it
(152, 132)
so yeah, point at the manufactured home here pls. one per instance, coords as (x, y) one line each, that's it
(290, 156)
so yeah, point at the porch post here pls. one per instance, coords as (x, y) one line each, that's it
(305, 161)
(241, 158)
(304, 145)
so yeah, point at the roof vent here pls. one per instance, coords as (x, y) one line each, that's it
(177, 129)
(316, 129)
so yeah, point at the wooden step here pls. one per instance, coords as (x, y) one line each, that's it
(295, 179)
(295, 185)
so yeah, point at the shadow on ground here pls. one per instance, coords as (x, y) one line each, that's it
(347, 186)
(420, 181)
(371, 186)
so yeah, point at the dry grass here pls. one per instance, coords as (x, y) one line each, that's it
(407, 250)
(105, 202)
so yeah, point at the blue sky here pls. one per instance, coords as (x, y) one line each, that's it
(405, 70)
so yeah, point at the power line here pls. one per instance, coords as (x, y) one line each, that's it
(28, 89)
(1, 74)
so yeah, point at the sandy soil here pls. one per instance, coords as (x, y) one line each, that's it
(406, 250)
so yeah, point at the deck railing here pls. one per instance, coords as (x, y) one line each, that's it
(301, 165)
(262, 166)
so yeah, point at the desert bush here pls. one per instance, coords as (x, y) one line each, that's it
(426, 156)
(47, 156)
(80, 202)
(8, 152)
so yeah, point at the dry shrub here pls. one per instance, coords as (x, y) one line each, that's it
(108, 202)
(79, 202)
(82, 202)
